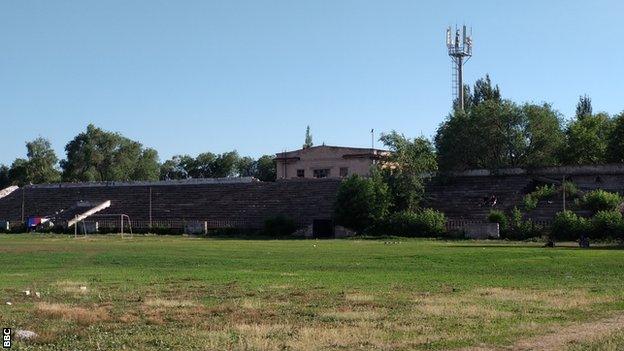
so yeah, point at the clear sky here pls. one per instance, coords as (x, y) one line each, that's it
(195, 76)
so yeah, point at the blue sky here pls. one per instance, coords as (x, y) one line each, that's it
(195, 76)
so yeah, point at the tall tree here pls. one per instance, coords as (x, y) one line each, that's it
(266, 170)
(615, 147)
(583, 107)
(176, 167)
(410, 162)
(42, 163)
(543, 132)
(246, 167)
(5, 180)
(485, 91)
(224, 165)
(19, 172)
(308, 139)
(587, 140)
(98, 155)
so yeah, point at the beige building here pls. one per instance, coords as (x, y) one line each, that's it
(327, 162)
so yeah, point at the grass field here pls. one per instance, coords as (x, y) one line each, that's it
(180, 293)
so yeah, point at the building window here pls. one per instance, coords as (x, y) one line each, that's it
(301, 173)
(321, 173)
(344, 171)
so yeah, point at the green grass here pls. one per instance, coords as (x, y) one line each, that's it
(172, 293)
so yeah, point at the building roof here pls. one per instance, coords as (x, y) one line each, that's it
(349, 152)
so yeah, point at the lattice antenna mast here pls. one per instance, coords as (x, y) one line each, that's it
(460, 50)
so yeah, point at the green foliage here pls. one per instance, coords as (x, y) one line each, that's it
(414, 159)
(571, 190)
(584, 107)
(423, 223)
(360, 202)
(587, 140)
(496, 133)
(98, 155)
(308, 139)
(540, 193)
(279, 226)
(569, 226)
(265, 169)
(615, 147)
(530, 202)
(499, 217)
(40, 167)
(5, 179)
(600, 200)
(607, 224)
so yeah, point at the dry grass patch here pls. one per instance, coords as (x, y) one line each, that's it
(351, 315)
(322, 337)
(79, 315)
(73, 287)
(157, 302)
(559, 299)
(357, 297)
(455, 305)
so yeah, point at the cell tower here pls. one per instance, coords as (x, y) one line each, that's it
(460, 50)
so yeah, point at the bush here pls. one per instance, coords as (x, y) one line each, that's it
(542, 192)
(607, 225)
(279, 226)
(568, 226)
(571, 190)
(361, 202)
(600, 200)
(423, 223)
(530, 202)
(499, 217)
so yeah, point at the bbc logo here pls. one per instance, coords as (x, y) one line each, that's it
(6, 338)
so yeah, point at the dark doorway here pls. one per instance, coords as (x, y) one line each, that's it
(323, 228)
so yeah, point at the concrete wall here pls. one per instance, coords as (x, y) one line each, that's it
(220, 204)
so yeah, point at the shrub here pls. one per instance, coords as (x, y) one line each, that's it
(361, 202)
(279, 226)
(540, 193)
(607, 224)
(530, 202)
(600, 200)
(499, 217)
(571, 190)
(568, 226)
(422, 223)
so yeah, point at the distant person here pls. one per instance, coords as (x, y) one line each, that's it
(584, 242)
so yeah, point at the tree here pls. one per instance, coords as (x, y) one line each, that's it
(19, 172)
(98, 155)
(308, 139)
(542, 129)
(484, 91)
(5, 180)
(224, 165)
(176, 168)
(246, 167)
(583, 107)
(410, 162)
(587, 140)
(42, 162)
(360, 202)
(494, 133)
(266, 170)
(615, 147)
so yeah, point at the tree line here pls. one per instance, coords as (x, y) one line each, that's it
(99, 155)
(493, 133)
